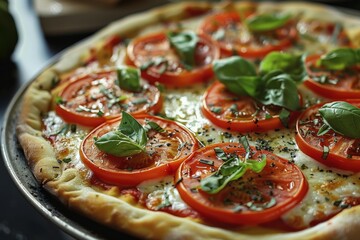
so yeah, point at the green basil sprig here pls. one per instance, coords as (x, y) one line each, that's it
(266, 22)
(128, 79)
(185, 45)
(340, 59)
(341, 117)
(239, 76)
(288, 63)
(129, 139)
(279, 89)
(232, 169)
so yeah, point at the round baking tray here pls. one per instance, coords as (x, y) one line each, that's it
(69, 221)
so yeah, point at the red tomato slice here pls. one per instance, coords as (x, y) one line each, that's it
(344, 152)
(280, 182)
(232, 36)
(325, 32)
(169, 70)
(250, 116)
(164, 153)
(338, 85)
(92, 99)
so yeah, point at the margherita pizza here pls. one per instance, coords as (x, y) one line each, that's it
(206, 121)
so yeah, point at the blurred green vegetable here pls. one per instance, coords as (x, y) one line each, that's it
(8, 32)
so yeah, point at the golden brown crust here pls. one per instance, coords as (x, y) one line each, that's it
(107, 207)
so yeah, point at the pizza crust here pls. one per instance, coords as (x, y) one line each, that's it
(107, 207)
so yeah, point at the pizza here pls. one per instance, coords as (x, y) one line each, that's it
(197, 120)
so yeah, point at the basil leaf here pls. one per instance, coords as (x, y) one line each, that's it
(266, 22)
(131, 128)
(342, 117)
(184, 44)
(340, 59)
(255, 165)
(118, 144)
(279, 89)
(284, 117)
(128, 79)
(323, 130)
(150, 125)
(130, 138)
(286, 62)
(220, 154)
(276, 87)
(245, 143)
(231, 170)
(237, 74)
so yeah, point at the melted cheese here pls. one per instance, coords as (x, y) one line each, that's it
(326, 185)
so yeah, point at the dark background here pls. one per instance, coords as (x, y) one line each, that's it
(18, 219)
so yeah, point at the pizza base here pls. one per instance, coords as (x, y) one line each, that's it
(107, 207)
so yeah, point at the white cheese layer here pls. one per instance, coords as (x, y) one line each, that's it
(326, 185)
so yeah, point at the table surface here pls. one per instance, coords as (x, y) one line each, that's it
(18, 219)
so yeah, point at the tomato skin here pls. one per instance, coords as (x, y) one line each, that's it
(218, 94)
(326, 30)
(178, 76)
(115, 170)
(312, 145)
(220, 206)
(344, 89)
(71, 115)
(285, 36)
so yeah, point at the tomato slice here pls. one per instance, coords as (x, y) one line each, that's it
(169, 70)
(232, 36)
(253, 199)
(164, 153)
(332, 84)
(344, 152)
(323, 32)
(94, 98)
(239, 113)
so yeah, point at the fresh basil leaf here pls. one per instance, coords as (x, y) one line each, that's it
(185, 45)
(59, 100)
(286, 62)
(279, 89)
(284, 117)
(220, 154)
(245, 143)
(230, 166)
(323, 129)
(342, 117)
(128, 79)
(230, 170)
(150, 125)
(118, 144)
(131, 128)
(266, 22)
(340, 59)
(237, 74)
(255, 165)
(227, 171)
